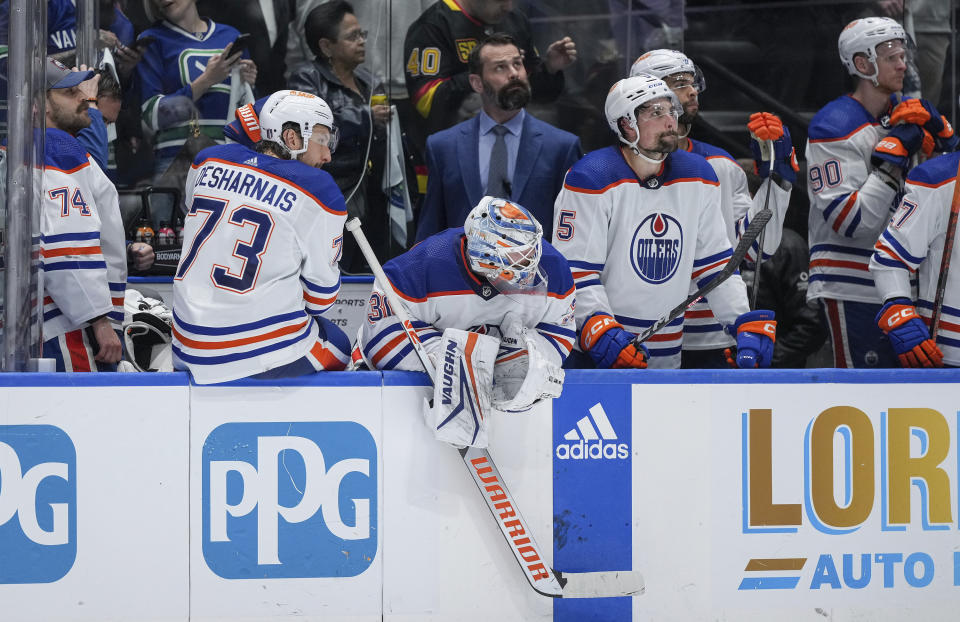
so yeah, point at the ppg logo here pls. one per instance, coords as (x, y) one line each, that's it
(284, 500)
(38, 503)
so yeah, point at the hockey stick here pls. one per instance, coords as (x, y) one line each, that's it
(746, 240)
(543, 579)
(766, 204)
(945, 259)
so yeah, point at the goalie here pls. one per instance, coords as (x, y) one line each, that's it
(492, 305)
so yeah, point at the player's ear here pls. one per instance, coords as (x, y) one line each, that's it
(862, 64)
(291, 138)
(476, 82)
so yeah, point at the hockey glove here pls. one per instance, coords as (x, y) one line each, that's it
(898, 146)
(921, 112)
(756, 332)
(908, 334)
(764, 126)
(610, 346)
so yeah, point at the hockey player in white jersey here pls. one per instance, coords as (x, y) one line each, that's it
(704, 339)
(82, 241)
(261, 242)
(911, 247)
(494, 276)
(640, 223)
(859, 149)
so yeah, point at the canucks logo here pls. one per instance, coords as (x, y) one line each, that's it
(656, 248)
(193, 62)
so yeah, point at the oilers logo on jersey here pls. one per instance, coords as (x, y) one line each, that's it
(656, 248)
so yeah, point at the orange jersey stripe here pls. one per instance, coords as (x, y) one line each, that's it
(233, 343)
(73, 250)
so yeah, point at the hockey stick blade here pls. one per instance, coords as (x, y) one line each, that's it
(746, 241)
(601, 584)
(543, 579)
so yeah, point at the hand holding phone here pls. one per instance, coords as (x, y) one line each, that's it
(143, 42)
(240, 43)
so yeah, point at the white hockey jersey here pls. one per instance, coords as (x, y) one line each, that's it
(261, 244)
(702, 331)
(849, 204)
(82, 243)
(636, 249)
(440, 292)
(913, 244)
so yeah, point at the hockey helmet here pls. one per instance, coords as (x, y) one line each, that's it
(629, 94)
(304, 109)
(504, 242)
(862, 36)
(663, 63)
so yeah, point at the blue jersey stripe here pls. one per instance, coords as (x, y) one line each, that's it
(70, 237)
(239, 328)
(841, 278)
(583, 265)
(712, 258)
(239, 356)
(897, 246)
(313, 287)
(553, 328)
(75, 265)
(836, 248)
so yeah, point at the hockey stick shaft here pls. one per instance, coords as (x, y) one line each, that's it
(746, 240)
(766, 204)
(945, 259)
(543, 579)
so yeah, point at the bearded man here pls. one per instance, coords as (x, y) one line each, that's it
(503, 152)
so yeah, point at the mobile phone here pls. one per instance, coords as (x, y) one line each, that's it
(143, 42)
(240, 43)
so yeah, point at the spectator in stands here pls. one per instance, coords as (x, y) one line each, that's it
(190, 57)
(438, 47)
(83, 247)
(338, 42)
(503, 152)
(269, 23)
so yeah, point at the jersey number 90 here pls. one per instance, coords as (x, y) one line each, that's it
(827, 175)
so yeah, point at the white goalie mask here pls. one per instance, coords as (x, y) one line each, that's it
(862, 36)
(504, 244)
(305, 110)
(664, 63)
(629, 94)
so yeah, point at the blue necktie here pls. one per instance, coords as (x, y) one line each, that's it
(497, 182)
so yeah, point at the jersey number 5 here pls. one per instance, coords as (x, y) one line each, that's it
(249, 250)
(565, 225)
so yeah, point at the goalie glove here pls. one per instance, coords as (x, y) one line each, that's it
(756, 332)
(610, 346)
(908, 334)
(522, 376)
(146, 333)
(765, 126)
(900, 144)
(462, 389)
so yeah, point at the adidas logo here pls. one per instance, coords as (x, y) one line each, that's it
(252, 161)
(593, 439)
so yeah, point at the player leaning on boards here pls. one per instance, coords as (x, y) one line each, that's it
(914, 242)
(490, 290)
(704, 339)
(639, 221)
(261, 242)
(859, 149)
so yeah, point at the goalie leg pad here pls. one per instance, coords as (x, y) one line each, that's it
(462, 388)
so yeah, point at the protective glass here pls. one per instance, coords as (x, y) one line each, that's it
(330, 140)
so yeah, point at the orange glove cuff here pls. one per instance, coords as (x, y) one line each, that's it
(594, 327)
(895, 316)
(760, 327)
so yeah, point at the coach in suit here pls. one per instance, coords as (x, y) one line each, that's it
(502, 152)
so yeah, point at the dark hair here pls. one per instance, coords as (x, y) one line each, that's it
(474, 64)
(323, 22)
(108, 85)
(277, 149)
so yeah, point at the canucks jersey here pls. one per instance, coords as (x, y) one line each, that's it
(170, 64)
(912, 244)
(441, 292)
(637, 249)
(849, 205)
(436, 49)
(261, 243)
(702, 331)
(83, 247)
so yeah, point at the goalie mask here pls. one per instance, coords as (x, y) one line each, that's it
(504, 244)
(863, 36)
(665, 63)
(305, 110)
(628, 96)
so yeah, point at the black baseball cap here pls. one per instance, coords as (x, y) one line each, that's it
(59, 76)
